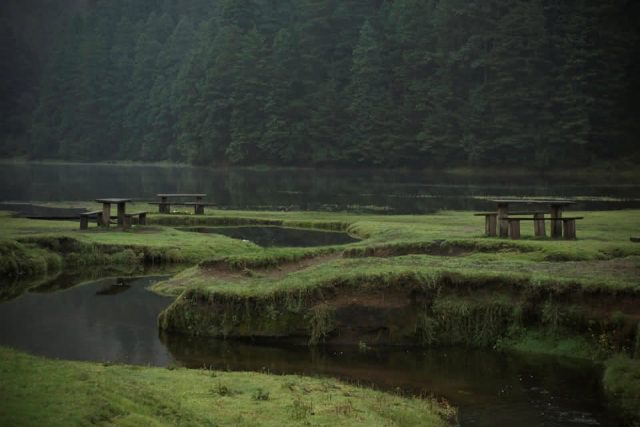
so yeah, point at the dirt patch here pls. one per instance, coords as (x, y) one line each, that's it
(374, 298)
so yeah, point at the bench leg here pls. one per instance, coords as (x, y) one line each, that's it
(514, 229)
(503, 211)
(164, 208)
(142, 219)
(556, 228)
(126, 222)
(569, 229)
(106, 215)
(538, 225)
(490, 225)
(199, 209)
(84, 222)
(121, 210)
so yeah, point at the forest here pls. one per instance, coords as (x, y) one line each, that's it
(361, 83)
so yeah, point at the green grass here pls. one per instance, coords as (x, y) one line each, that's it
(602, 257)
(622, 385)
(36, 391)
(520, 270)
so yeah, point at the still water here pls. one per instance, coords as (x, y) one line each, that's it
(115, 320)
(306, 189)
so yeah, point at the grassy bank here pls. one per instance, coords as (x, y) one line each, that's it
(36, 391)
(622, 386)
(422, 270)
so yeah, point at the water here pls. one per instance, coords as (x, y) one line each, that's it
(115, 320)
(278, 236)
(305, 189)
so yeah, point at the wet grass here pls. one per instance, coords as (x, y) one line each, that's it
(398, 244)
(36, 391)
(521, 270)
(622, 385)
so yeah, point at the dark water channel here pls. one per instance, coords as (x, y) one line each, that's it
(268, 236)
(115, 320)
(307, 189)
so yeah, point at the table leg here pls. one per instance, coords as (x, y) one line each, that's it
(121, 211)
(106, 214)
(503, 212)
(538, 225)
(556, 226)
(164, 206)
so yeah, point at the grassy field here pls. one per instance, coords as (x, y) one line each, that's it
(36, 391)
(426, 279)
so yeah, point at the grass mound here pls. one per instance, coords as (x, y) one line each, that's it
(38, 391)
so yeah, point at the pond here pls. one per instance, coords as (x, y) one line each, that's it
(376, 191)
(114, 320)
(268, 236)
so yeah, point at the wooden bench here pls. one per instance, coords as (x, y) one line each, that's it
(198, 207)
(141, 218)
(164, 205)
(84, 219)
(491, 222)
(568, 226)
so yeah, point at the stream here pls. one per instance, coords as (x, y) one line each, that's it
(114, 320)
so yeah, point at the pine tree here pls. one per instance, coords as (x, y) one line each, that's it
(370, 100)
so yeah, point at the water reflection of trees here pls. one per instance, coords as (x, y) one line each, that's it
(304, 189)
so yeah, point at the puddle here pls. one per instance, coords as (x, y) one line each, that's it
(279, 236)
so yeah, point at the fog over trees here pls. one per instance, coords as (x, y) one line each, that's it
(413, 83)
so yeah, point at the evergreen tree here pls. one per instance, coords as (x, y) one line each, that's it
(370, 100)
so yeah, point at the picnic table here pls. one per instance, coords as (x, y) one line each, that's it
(166, 200)
(508, 222)
(103, 216)
(106, 210)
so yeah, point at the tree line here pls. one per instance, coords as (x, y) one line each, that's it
(412, 83)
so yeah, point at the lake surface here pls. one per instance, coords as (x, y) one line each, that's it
(268, 236)
(115, 320)
(306, 189)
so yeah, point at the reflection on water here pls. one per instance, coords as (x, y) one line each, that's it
(105, 320)
(115, 320)
(490, 389)
(268, 236)
(294, 189)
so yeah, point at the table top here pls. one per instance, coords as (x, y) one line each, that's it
(558, 202)
(181, 195)
(113, 200)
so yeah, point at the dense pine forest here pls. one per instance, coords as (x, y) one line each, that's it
(412, 83)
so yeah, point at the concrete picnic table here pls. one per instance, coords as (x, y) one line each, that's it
(106, 210)
(557, 207)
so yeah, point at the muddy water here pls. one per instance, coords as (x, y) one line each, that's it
(115, 320)
(268, 236)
